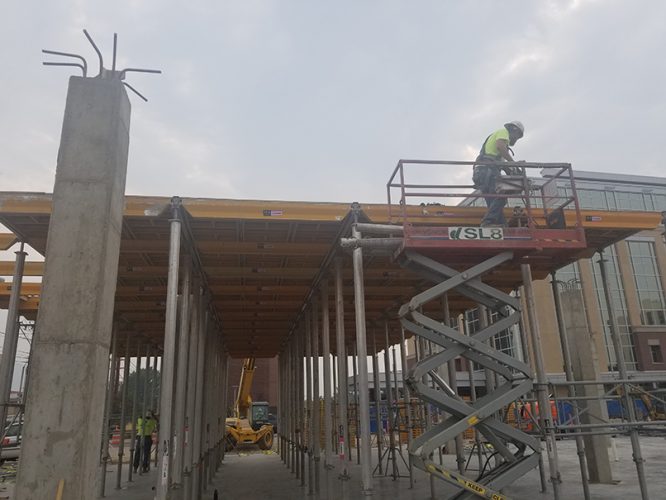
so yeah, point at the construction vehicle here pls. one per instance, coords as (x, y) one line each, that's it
(250, 423)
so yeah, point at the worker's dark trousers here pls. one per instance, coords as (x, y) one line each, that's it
(495, 213)
(142, 452)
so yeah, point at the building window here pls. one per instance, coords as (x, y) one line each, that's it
(648, 282)
(619, 307)
(655, 351)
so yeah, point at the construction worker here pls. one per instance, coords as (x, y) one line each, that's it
(144, 441)
(496, 149)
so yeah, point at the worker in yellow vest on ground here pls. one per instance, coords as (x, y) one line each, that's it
(496, 149)
(144, 441)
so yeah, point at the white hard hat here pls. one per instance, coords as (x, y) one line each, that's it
(519, 125)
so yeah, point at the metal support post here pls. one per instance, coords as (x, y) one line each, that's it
(343, 431)
(326, 346)
(545, 416)
(308, 398)
(169, 357)
(300, 358)
(193, 350)
(453, 383)
(110, 389)
(363, 411)
(389, 403)
(357, 436)
(144, 406)
(10, 343)
(472, 397)
(378, 400)
(406, 402)
(622, 369)
(154, 398)
(293, 408)
(198, 406)
(135, 402)
(568, 371)
(123, 397)
(316, 405)
(181, 378)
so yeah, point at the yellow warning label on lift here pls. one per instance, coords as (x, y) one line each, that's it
(473, 420)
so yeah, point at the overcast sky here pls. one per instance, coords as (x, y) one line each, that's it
(307, 100)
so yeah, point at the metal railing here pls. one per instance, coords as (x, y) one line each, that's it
(537, 199)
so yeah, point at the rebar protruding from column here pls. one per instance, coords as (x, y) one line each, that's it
(622, 369)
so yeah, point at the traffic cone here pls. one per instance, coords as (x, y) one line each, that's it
(115, 437)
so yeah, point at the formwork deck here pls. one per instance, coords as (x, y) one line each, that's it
(262, 259)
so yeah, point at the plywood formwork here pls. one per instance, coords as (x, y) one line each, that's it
(262, 259)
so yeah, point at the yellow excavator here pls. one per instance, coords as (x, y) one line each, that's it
(250, 424)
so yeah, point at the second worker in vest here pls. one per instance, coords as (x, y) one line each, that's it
(496, 149)
(144, 441)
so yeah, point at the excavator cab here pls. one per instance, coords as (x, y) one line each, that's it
(259, 414)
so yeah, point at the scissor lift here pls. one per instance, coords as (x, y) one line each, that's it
(481, 265)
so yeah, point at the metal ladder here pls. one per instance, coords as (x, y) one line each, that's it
(519, 451)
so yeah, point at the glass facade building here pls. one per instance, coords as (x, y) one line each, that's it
(635, 268)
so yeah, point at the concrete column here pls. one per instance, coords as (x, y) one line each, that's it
(326, 352)
(363, 410)
(123, 398)
(190, 403)
(592, 411)
(343, 419)
(72, 337)
(10, 343)
(181, 377)
(593, 313)
(568, 371)
(626, 271)
(316, 406)
(622, 371)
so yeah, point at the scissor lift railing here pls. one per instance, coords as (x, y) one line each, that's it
(539, 202)
(455, 260)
